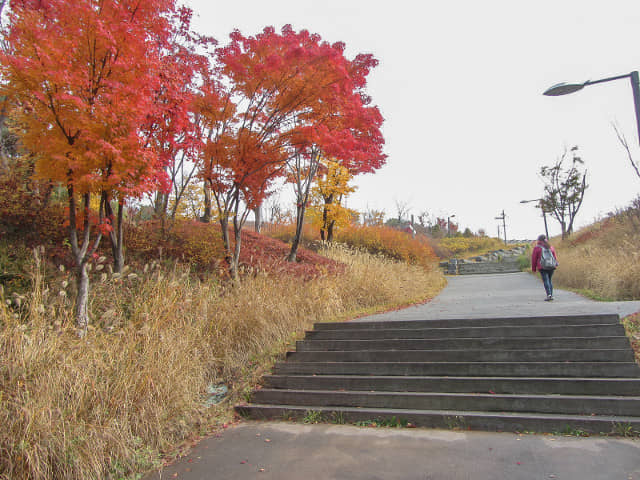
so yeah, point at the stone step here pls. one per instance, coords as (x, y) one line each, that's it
(558, 404)
(598, 330)
(558, 320)
(468, 369)
(451, 419)
(395, 356)
(486, 268)
(501, 385)
(541, 374)
(512, 343)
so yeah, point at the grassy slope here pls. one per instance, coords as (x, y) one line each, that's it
(603, 259)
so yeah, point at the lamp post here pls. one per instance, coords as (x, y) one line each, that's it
(544, 214)
(504, 226)
(449, 224)
(567, 88)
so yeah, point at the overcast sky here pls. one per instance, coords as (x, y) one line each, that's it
(460, 86)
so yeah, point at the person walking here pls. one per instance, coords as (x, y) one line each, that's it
(545, 261)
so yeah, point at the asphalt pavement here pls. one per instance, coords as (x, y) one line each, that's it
(286, 450)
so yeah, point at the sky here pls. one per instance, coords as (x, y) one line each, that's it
(460, 85)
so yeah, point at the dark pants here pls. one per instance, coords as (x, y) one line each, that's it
(546, 280)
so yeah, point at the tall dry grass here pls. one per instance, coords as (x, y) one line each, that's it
(106, 406)
(603, 260)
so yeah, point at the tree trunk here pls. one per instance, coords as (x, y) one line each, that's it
(160, 204)
(206, 215)
(81, 254)
(82, 300)
(224, 228)
(296, 239)
(116, 236)
(117, 241)
(235, 260)
(324, 231)
(330, 231)
(257, 212)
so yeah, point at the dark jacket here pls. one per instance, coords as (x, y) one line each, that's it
(537, 253)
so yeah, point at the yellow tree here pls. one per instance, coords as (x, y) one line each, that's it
(332, 187)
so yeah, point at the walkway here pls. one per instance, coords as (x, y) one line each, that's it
(283, 450)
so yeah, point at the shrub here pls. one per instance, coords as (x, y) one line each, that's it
(389, 242)
(286, 231)
(467, 246)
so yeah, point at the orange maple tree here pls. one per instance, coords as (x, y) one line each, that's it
(83, 78)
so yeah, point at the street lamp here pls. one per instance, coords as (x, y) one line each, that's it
(449, 224)
(567, 88)
(544, 214)
(504, 226)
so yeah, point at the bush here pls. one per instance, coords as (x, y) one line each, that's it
(467, 246)
(389, 242)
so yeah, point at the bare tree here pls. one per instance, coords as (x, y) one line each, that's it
(425, 219)
(623, 141)
(403, 208)
(564, 189)
(372, 217)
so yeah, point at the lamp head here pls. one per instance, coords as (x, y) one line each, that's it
(563, 89)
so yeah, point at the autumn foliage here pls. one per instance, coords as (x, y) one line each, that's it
(377, 240)
(389, 242)
(83, 80)
(270, 107)
(199, 245)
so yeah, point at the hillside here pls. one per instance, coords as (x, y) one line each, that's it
(162, 335)
(602, 260)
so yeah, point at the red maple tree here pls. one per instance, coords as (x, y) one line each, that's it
(284, 100)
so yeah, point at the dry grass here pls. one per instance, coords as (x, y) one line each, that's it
(107, 405)
(632, 328)
(603, 260)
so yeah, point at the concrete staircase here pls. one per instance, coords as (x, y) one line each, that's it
(485, 268)
(543, 374)
(498, 261)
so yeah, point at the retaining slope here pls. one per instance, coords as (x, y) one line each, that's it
(540, 374)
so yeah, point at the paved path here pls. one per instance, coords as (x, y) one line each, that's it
(501, 295)
(288, 451)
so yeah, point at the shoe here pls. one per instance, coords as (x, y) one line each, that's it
(549, 298)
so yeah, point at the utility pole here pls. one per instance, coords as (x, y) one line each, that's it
(504, 226)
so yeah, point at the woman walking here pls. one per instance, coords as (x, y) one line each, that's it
(545, 261)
